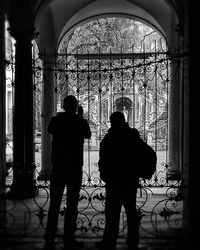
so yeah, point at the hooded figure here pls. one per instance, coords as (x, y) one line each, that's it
(118, 161)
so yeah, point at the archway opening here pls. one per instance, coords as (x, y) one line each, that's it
(118, 64)
(114, 64)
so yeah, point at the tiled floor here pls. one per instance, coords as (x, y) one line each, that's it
(28, 218)
(89, 244)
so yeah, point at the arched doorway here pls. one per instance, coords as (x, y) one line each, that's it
(103, 79)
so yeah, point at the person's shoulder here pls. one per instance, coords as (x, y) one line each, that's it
(135, 132)
(58, 116)
(53, 118)
(81, 119)
(106, 137)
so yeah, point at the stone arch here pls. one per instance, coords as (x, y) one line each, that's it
(69, 28)
(59, 18)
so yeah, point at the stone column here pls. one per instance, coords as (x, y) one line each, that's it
(173, 172)
(189, 175)
(186, 189)
(23, 147)
(2, 100)
(2, 117)
(48, 110)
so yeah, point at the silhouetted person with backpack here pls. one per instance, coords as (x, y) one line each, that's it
(68, 130)
(117, 165)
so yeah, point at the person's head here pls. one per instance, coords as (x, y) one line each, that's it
(70, 103)
(117, 119)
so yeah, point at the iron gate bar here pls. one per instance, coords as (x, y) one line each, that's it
(111, 55)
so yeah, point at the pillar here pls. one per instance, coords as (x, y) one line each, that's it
(2, 100)
(2, 118)
(185, 148)
(189, 191)
(23, 147)
(48, 110)
(173, 172)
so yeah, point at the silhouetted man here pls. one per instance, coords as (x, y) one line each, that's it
(68, 129)
(117, 166)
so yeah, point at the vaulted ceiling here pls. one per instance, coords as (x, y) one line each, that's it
(52, 19)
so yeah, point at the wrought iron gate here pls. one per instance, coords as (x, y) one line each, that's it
(136, 84)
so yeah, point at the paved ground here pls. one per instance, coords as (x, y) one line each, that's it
(35, 244)
(28, 217)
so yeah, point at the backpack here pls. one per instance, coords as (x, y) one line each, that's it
(147, 161)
